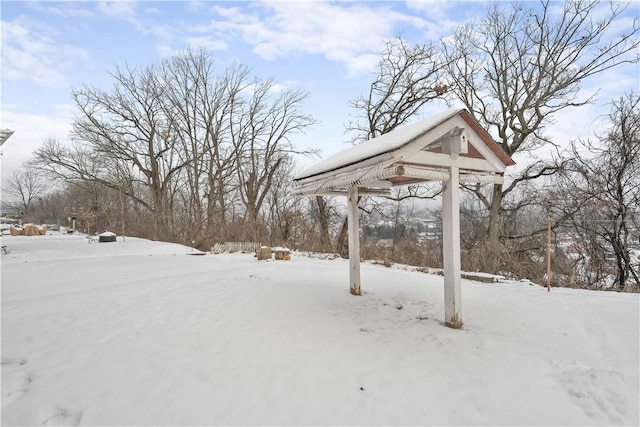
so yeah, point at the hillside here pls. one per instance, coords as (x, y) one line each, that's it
(140, 333)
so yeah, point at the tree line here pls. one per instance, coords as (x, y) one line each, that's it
(184, 151)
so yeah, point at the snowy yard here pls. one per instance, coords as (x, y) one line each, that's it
(140, 333)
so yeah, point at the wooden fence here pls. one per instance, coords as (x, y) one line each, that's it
(235, 247)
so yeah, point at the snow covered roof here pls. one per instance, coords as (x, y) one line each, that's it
(421, 151)
(4, 135)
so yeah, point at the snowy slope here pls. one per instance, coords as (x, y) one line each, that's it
(139, 333)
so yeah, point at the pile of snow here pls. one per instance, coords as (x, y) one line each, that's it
(137, 333)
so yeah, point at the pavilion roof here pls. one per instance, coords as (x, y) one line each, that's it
(421, 151)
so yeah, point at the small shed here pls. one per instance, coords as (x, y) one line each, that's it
(450, 147)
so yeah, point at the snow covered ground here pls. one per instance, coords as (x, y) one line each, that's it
(141, 333)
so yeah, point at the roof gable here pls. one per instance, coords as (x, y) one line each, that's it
(376, 146)
(422, 151)
(486, 137)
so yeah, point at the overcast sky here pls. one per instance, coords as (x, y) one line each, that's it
(327, 49)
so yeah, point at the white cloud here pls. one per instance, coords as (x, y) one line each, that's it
(353, 34)
(61, 9)
(125, 10)
(349, 33)
(164, 35)
(437, 9)
(279, 87)
(71, 12)
(232, 14)
(363, 64)
(194, 5)
(31, 129)
(207, 43)
(29, 53)
(152, 11)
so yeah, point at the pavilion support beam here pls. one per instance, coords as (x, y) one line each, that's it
(354, 240)
(451, 249)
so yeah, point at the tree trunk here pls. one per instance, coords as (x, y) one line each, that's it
(342, 247)
(492, 259)
(323, 220)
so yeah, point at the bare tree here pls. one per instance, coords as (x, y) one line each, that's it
(518, 66)
(322, 211)
(407, 78)
(187, 146)
(201, 105)
(25, 186)
(125, 129)
(262, 129)
(283, 209)
(607, 183)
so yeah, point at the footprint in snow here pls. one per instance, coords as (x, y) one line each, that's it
(59, 416)
(13, 392)
(8, 361)
(596, 391)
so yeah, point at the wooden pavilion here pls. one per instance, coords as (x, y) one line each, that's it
(450, 147)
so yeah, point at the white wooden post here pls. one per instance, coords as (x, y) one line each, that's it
(354, 240)
(451, 249)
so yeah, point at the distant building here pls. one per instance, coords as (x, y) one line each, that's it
(4, 135)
